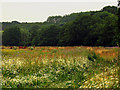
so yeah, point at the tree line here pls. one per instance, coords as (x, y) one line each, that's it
(92, 28)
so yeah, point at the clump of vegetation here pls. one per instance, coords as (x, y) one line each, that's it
(14, 47)
(92, 56)
(54, 51)
(31, 48)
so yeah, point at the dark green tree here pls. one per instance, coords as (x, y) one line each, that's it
(64, 36)
(110, 9)
(107, 33)
(11, 36)
(25, 37)
(48, 36)
(33, 33)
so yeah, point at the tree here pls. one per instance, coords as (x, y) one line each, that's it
(48, 36)
(64, 36)
(107, 34)
(75, 32)
(11, 36)
(1, 37)
(33, 33)
(110, 9)
(54, 19)
(25, 37)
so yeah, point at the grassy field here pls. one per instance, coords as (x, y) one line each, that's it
(60, 67)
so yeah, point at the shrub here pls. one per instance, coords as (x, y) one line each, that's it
(31, 48)
(93, 57)
(14, 47)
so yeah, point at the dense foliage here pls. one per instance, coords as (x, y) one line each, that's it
(93, 28)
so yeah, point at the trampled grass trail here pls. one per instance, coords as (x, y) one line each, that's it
(60, 67)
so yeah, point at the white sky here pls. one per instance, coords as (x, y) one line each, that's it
(40, 10)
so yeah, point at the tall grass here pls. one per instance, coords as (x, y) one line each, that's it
(50, 67)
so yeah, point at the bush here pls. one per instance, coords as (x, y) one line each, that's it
(31, 48)
(92, 57)
(14, 47)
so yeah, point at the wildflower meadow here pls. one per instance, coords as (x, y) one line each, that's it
(60, 67)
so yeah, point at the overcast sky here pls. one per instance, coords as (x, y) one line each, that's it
(39, 11)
